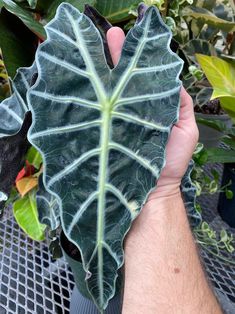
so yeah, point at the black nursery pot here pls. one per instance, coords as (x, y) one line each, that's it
(226, 207)
(81, 302)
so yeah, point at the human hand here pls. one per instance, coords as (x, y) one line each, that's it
(183, 138)
(160, 238)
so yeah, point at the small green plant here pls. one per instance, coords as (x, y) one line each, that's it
(216, 243)
(220, 74)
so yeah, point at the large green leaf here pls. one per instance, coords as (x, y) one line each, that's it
(206, 17)
(228, 104)
(115, 11)
(79, 4)
(17, 43)
(103, 132)
(214, 124)
(26, 215)
(221, 75)
(26, 17)
(220, 155)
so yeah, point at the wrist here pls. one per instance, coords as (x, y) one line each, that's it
(157, 215)
(165, 190)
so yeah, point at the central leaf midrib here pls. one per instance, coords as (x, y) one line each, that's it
(104, 141)
(103, 166)
(103, 161)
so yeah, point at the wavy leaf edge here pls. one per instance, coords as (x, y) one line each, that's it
(30, 135)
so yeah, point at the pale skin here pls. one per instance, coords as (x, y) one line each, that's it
(163, 272)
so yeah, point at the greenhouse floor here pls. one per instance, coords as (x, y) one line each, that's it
(31, 282)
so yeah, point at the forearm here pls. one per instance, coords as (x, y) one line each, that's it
(163, 273)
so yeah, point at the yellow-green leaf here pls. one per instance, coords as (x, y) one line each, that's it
(221, 75)
(34, 157)
(228, 104)
(26, 215)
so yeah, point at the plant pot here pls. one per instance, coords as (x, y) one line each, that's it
(226, 207)
(81, 302)
(208, 136)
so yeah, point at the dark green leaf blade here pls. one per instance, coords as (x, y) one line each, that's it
(26, 17)
(103, 26)
(79, 4)
(115, 11)
(17, 43)
(105, 146)
(209, 18)
(220, 155)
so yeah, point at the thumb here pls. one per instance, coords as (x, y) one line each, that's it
(115, 38)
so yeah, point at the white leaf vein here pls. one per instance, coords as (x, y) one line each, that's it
(140, 98)
(142, 161)
(67, 129)
(76, 163)
(81, 211)
(63, 64)
(67, 99)
(11, 113)
(142, 122)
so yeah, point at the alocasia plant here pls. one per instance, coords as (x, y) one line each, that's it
(104, 144)
(102, 133)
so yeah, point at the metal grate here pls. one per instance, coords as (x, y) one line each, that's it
(220, 273)
(31, 282)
